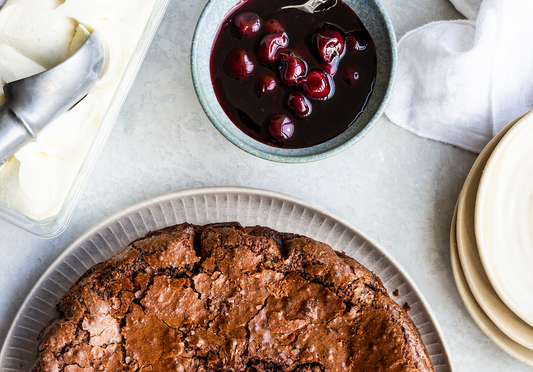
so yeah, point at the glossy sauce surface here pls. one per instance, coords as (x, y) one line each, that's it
(252, 97)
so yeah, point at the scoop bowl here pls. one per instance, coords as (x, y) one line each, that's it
(33, 102)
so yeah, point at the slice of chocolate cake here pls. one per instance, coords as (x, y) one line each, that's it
(226, 298)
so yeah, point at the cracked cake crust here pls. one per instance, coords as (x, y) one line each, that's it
(222, 297)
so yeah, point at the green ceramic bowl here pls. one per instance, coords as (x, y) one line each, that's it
(376, 21)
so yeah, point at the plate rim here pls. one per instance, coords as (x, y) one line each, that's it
(235, 190)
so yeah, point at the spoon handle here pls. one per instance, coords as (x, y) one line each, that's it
(13, 133)
(308, 6)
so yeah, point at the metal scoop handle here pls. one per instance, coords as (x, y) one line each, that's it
(13, 133)
(312, 6)
(31, 103)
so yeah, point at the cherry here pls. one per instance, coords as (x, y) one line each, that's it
(331, 68)
(318, 85)
(272, 25)
(266, 83)
(292, 69)
(350, 76)
(240, 63)
(271, 46)
(281, 127)
(299, 105)
(328, 40)
(353, 43)
(247, 23)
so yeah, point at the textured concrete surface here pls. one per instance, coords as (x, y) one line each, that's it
(397, 188)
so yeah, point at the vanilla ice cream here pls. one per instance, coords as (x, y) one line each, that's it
(36, 35)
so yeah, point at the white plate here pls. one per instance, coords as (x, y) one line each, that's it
(201, 206)
(506, 320)
(512, 348)
(504, 219)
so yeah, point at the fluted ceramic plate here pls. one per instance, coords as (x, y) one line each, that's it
(503, 317)
(202, 206)
(505, 343)
(504, 218)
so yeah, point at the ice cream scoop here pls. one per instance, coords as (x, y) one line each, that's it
(31, 103)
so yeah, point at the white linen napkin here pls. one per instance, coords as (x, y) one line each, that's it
(461, 82)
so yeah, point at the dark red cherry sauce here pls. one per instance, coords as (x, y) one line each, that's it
(292, 79)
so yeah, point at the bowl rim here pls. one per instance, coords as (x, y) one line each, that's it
(289, 158)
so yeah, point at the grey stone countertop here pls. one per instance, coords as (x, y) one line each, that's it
(397, 188)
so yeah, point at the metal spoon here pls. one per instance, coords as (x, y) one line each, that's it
(31, 103)
(312, 6)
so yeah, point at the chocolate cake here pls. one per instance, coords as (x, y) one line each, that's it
(226, 298)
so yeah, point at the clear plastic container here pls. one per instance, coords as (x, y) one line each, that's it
(53, 226)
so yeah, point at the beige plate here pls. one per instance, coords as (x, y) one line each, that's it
(512, 348)
(505, 319)
(201, 206)
(503, 218)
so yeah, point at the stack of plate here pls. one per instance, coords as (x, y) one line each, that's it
(492, 240)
